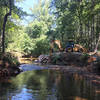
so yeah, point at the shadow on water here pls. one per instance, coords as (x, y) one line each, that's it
(47, 85)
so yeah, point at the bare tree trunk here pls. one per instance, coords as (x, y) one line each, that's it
(0, 40)
(91, 37)
(93, 34)
(96, 48)
(4, 25)
(88, 35)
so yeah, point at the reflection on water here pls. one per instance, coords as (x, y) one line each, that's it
(47, 85)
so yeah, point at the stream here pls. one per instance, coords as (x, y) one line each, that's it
(40, 83)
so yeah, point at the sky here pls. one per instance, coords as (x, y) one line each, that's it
(26, 5)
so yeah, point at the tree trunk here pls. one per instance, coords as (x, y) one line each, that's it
(88, 35)
(4, 25)
(96, 48)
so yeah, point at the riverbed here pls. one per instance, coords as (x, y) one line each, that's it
(46, 83)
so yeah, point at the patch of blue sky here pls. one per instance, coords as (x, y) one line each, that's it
(26, 5)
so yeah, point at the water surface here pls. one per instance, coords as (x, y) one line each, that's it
(47, 84)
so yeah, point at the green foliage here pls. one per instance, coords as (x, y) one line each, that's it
(22, 43)
(74, 20)
(78, 20)
(8, 7)
(31, 39)
(26, 44)
(10, 58)
(35, 29)
(41, 47)
(38, 28)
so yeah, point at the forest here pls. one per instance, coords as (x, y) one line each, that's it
(50, 51)
(78, 20)
(52, 19)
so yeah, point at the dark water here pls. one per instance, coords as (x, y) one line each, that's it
(47, 84)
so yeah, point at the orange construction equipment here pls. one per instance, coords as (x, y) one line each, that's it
(71, 47)
(52, 46)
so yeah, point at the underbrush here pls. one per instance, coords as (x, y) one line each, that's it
(8, 65)
(8, 61)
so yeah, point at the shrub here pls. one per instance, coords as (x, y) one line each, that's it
(11, 59)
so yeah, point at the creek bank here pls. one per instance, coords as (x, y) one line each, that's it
(82, 60)
(74, 62)
(8, 65)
